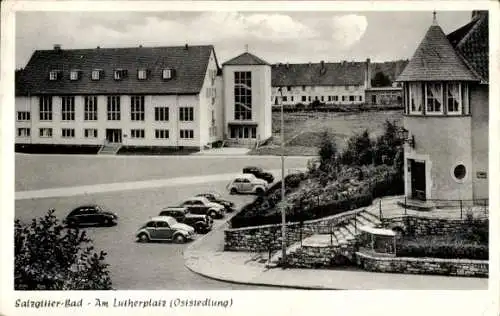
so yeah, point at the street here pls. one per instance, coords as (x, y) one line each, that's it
(136, 266)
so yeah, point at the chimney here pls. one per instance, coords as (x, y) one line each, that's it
(368, 74)
(186, 47)
(323, 69)
(287, 65)
(322, 64)
(57, 47)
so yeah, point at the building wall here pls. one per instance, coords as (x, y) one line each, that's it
(384, 97)
(261, 95)
(174, 102)
(479, 110)
(294, 94)
(442, 142)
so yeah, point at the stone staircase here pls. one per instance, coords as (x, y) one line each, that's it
(109, 149)
(323, 249)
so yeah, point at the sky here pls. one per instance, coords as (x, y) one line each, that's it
(285, 36)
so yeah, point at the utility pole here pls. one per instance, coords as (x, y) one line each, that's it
(283, 209)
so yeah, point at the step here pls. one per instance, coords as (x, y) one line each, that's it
(347, 235)
(352, 230)
(362, 221)
(371, 217)
(276, 257)
(340, 238)
(319, 240)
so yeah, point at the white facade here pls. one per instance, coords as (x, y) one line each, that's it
(242, 130)
(292, 95)
(205, 127)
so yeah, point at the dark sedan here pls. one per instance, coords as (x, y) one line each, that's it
(216, 198)
(259, 173)
(90, 215)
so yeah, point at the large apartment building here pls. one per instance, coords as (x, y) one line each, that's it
(141, 96)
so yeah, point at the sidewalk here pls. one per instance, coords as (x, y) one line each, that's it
(206, 257)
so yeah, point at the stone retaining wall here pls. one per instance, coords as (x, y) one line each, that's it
(455, 267)
(265, 237)
(423, 226)
(320, 257)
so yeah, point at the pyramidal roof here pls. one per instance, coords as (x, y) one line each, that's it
(436, 60)
(246, 59)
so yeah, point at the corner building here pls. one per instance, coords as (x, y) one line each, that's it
(445, 87)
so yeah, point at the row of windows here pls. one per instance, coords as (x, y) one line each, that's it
(436, 98)
(313, 88)
(328, 98)
(137, 110)
(243, 132)
(243, 95)
(118, 74)
(92, 133)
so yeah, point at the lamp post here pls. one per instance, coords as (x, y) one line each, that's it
(283, 209)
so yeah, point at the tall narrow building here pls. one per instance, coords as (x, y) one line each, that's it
(445, 88)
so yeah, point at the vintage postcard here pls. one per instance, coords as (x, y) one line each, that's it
(222, 158)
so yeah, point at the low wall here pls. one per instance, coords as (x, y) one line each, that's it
(454, 267)
(320, 257)
(268, 237)
(423, 226)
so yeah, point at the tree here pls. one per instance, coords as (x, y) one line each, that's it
(327, 151)
(50, 257)
(389, 146)
(359, 150)
(381, 80)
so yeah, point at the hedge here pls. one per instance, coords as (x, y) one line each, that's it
(452, 249)
(296, 215)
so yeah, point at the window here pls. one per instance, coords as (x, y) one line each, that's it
(360, 98)
(161, 114)
(23, 132)
(211, 92)
(374, 99)
(465, 98)
(434, 98)
(137, 133)
(322, 98)
(304, 98)
(90, 108)
(309, 98)
(161, 133)
(68, 132)
(288, 88)
(335, 98)
(186, 133)
(291, 98)
(23, 116)
(329, 98)
(285, 99)
(142, 74)
(120, 74)
(45, 132)
(96, 74)
(74, 75)
(459, 172)
(244, 132)
(242, 95)
(453, 98)
(416, 97)
(54, 75)
(167, 73)
(90, 133)
(303, 88)
(68, 108)
(137, 108)
(113, 108)
(343, 98)
(351, 98)
(45, 103)
(186, 114)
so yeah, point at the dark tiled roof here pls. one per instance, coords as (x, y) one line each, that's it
(436, 60)
(189, 65)
(471, 41)
(317, 74)
(245, 59)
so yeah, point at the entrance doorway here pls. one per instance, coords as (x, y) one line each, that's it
(418, 180)
(113, 135)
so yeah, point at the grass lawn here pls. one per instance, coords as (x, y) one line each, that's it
(303, 130)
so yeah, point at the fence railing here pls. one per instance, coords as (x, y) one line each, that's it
(458, 209)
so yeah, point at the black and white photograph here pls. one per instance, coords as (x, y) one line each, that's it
(246, 149)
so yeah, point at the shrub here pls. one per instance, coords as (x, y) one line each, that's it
(50, 257)
(359, 150)
(445, 248)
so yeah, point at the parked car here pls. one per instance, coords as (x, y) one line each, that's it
(217, 198)
(259, 173)
(200, 205)
(160, 228)
(90, 215)
(247, 183)
(200, 223)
